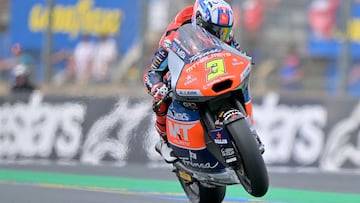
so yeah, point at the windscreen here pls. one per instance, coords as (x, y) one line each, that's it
(194, 39)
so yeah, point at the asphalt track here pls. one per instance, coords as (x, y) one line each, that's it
(53, 183)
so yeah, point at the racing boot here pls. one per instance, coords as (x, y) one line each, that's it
(163, 148)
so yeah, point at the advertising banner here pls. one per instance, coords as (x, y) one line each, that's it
(71, 18)
(297, 132)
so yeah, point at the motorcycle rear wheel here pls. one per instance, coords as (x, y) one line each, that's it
(252, 171)
(198, 193)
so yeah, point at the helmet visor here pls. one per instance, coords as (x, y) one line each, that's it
(222, 32)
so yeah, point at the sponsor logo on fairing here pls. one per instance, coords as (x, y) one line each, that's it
(246, 72)
(189, 80)
(190, 105)
(202, 165)
(180, 53)
(178, 116)
(203, 54)
(180, 132)
(205, 58)
(182, 92)
(235, 62)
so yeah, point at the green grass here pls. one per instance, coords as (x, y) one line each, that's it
(166, 187)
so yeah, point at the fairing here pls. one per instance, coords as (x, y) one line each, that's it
(203, 67)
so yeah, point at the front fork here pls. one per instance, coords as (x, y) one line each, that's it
(223, 141)
(217, 139)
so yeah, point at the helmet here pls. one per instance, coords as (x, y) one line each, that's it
(216, 16)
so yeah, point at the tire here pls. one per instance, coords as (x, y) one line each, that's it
(198, 193)
(252, 171)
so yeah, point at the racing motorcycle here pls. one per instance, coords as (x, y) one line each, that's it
(207, 127)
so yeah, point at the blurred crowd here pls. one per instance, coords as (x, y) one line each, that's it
(90, 62)
(278, 46)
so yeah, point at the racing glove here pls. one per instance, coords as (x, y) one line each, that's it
(159, 105)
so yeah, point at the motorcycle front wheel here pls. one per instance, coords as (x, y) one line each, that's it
(251, 171)
(198, 193)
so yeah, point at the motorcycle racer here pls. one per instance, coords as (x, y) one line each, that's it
(215, 16)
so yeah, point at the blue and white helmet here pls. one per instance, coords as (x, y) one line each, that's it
(216, 16)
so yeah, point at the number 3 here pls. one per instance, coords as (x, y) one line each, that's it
(217, 68)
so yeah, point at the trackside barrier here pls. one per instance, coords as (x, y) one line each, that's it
(297, 132)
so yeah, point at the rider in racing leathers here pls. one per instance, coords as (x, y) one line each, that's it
(216, 16)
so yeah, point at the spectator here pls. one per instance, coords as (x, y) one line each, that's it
(19, 57)
(82, 60)
(22, 82)
(104, 59)
(253, 15)
(79, 63)
(291, 74)
(322, 17)
(60, 61)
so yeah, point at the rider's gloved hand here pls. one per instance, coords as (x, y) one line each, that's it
(159, 92)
